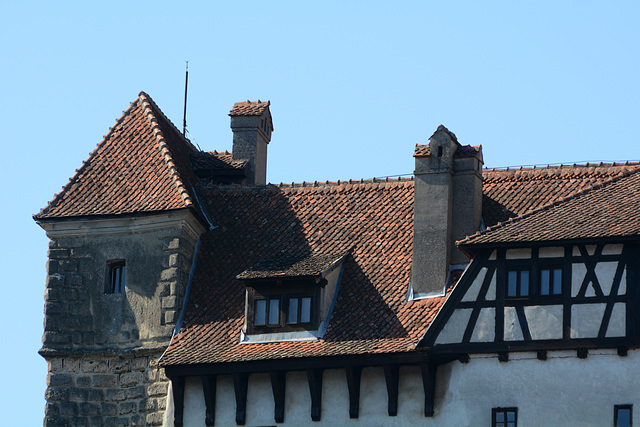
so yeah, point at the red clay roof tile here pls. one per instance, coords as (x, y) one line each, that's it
(141, 165)
(249, 108)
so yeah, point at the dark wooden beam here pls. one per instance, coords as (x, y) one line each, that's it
(541, 354)
(429, 384)
(623, 350)
(278, 384)
(583, 353)
(503, 356)
(209, 389)
(240, 384)
(392, 378)
(353, 382)
(177, 384)
(315, 388)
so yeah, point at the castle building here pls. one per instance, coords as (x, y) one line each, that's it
(183, 290)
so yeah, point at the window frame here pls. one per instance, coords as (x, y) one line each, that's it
(518, 268)
(617, 408)
(550, 265)
(271, 291)
(495, 411)
(116, 277)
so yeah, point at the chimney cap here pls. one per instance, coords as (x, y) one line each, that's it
(249, 108)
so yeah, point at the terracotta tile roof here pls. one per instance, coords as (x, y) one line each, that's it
(607, 210)
(290, 266)
(201, 160)
(512, 192)
(141, 165)
(249, 108)
(373, 221)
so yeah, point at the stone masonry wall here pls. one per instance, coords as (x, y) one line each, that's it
(97, 391)
(102, 347)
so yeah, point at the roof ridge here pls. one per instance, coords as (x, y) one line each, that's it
(561, 165)
(341, 182)
(147, 105)
(550, 205)
(85, 162)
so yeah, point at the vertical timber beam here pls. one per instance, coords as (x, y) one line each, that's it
(315, 388)
(240, 384)
(177, 384)
(353, 382)
(209, 389)
(429, 383)
(278, 384)
(392, 378)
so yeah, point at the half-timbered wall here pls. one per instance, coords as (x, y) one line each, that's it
(541, 298)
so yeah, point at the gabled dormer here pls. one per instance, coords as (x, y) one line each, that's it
(290, 297)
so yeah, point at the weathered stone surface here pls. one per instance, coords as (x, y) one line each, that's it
(169, 302)
(105, 380)
(95, 395)
(139, 364)
(119, 365)
(68, 408)
(57, 394)
(155, 418)
(88, 408)
(83, 381)
(108, 408)
(78, 394)
(116, 422)
(135, 392)
(114, 394)
(158, 389)
(55, 365)
(130, 379)
(127, 408)
(170, 316)
(94, 366)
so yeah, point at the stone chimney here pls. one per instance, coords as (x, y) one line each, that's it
(447, 207)
(252, 126)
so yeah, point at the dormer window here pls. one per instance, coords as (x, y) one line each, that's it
(290, 294)
(116, 277)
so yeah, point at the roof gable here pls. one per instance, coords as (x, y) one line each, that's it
(141, 165)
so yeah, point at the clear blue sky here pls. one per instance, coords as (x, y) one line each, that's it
(353, 85)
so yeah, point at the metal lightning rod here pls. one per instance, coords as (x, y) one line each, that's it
(186, 83)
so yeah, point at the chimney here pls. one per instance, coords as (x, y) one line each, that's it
(447, 207)
(252, 126)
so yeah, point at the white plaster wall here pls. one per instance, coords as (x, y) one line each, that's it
(551, 252)
(586, 320)
(561, 391)
(545, 321)
(485, 328)
(474, 289)
(453, 330)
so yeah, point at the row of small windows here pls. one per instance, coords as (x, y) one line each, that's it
(508, 417)
(519, 283)
(276, 311)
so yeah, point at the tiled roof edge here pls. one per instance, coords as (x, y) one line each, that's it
(147, 103)
(469, 239)
(559, 166)
(85, 162)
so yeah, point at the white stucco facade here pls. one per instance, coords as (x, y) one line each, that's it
(560, 391)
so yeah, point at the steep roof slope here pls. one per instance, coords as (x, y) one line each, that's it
(512, 192)
(372, 220)
(141, 165)
(608, 210)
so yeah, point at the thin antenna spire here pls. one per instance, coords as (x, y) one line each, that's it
(186, 83)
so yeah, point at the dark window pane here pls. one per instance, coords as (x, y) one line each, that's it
(544, 282)
(511, 416)
(305, 313)
(292, 317)
(524, 283)
(557, 281)
(261, 312)
(500, 417)
(512, 282)
(511, 424)
(623, 415)
(274, 311)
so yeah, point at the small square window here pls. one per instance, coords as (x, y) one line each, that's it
(504, 417)
(551, 281)
(517, 283)
(116, 277)
(622, 415)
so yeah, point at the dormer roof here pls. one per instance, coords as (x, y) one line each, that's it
(291, 266)
(141, 165)
(249, 108)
